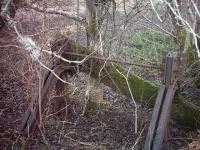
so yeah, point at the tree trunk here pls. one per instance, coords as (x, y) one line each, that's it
(12, 8)
(184, 40)
(94, 40)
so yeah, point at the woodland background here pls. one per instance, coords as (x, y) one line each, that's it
(98, 115)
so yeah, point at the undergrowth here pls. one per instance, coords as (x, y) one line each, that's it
(146, 47)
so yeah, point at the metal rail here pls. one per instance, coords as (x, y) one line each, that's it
(115, 61)
(31, 119)
(161, 113)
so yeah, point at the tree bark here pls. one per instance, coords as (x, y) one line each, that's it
(92, 28)
(184, 40)
(13, 5)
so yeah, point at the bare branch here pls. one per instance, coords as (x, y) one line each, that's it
(154, 9)
(129, 88)
(56, 11)
(158, 26)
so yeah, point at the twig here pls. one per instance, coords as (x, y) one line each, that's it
(55, 11)
(114, 61)
(129, 88)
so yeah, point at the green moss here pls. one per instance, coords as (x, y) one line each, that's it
(186, 114)
(94, 106)
(197, 83)
(56, 35)
(181, 37)
(191, 54)
(141, 89)
(53, 122)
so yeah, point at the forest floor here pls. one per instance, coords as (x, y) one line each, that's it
(111, 127)
(107, 127)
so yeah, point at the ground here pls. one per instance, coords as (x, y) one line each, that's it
(109, 126)
(104, 128)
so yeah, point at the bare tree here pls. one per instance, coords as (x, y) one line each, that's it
(95, 10)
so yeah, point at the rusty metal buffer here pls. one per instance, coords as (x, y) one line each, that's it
(31, 120)
(158, 128)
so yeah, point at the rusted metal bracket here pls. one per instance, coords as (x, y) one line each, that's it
(161, 112)
(30, 121)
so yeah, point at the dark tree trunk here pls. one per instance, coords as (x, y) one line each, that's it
(12, 8)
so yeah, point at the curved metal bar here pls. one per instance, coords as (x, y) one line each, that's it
(158, 127)
(30, 122)
(29, 111)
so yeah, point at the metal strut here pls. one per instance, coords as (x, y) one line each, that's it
(30, 121)
(161, 113)
(114, 61)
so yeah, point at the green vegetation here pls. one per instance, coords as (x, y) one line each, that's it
(148, 46)
(186, 114)
(191, 54)
(142, 89)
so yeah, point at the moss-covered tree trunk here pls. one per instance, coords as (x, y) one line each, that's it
(185, 113)
(184, 39)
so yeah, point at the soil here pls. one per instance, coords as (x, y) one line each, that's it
(13, 90)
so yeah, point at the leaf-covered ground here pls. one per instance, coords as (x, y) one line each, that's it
(107, 127)
(110, 126)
